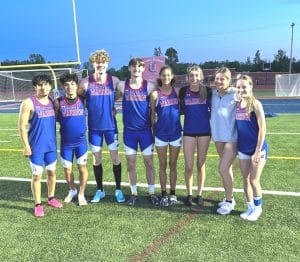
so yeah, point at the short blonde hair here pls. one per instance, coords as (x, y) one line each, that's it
(225, 71)
(99, 56)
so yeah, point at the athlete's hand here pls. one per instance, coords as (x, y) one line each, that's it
(27, 152)
(256, 157)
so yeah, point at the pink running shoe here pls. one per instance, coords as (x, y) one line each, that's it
(54, 203)
(39, 211)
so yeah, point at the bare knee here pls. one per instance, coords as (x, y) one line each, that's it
(97, 158)
(163, 164)
(115, 158)
(36, 178)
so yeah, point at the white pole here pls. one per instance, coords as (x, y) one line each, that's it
(291, 52)
(76, 32)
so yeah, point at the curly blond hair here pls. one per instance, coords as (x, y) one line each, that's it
(99, 56)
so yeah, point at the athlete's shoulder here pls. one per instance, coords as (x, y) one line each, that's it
(27, 103)
(154, 94)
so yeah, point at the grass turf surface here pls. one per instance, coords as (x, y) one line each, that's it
(113, 232)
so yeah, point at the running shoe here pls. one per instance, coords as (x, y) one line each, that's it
(153, 199)
(255, 213)
(39, 211)
(164, 201)
(98, 196)
(70, 196)
(54, 203)
(132, 200)
(226, 208)
(172, 200)
(81, 200)
(119, 196)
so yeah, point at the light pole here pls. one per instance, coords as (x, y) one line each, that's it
(291, 53)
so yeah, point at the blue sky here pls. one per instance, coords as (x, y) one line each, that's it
(199, 30)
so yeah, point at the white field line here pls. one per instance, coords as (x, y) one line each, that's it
(4, 141)
(120, 132)
(275, 133)
(219, 189)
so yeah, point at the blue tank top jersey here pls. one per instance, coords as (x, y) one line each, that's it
(72, 119)
(42, 129)
(196, 113)
(247, 129)
(100, 99)
(168, 114)
(136, 110)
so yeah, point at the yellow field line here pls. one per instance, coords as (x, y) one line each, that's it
(181, 154)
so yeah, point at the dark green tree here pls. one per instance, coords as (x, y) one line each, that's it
(36, 59)
(172, 56)
(281, 62)
(157, 51)
(257, 62)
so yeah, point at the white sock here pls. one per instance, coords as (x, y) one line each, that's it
(133, 190)
(250, 205)
(151, 189)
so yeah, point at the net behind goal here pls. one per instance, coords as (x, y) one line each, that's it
(287, 85)
(16, 85)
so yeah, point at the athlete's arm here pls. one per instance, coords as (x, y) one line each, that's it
(82, 87)
(119, 89)
(260, 115)
(116, 81)
(153, 99)
(56, 108)
(151, 87)
(24, 116)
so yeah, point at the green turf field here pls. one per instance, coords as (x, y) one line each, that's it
(114, 232)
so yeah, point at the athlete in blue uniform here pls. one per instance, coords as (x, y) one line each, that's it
(40, 141)
(99, 91)
(224, 133)
(252, 146)
(70, 111)
(165, 118)
(137, 126)
(195, 103)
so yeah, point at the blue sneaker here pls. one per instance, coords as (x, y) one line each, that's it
(98, 196)
(119, 196)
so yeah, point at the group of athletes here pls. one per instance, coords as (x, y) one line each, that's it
(230, 115)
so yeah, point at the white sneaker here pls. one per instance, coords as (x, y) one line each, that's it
(226, 208)
(224, 201)
(245, 214)
(81, 200)
(71, 194)
(255, 214)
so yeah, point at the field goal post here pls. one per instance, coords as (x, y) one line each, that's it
(15, 85)
(287, 85)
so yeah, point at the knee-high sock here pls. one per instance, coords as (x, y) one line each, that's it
(98, 172)
(117, 173)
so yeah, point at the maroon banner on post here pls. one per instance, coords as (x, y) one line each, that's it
(152, 66)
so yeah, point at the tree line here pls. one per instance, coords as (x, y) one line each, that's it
(280, 63)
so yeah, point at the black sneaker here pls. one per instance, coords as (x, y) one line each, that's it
(164, 201)
(199, 201)
(188, 201)
(132, 200)
(153, 199)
